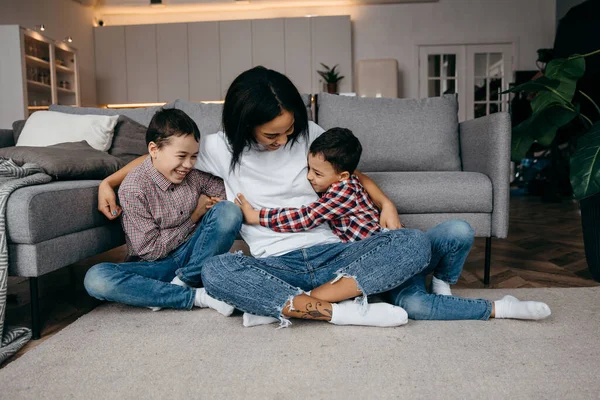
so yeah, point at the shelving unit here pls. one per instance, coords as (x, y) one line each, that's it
(37, 71)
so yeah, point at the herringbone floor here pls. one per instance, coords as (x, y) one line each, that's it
(544, 249)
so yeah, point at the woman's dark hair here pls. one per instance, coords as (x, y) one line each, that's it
(340, 148)
(256, 97)
(170, 122)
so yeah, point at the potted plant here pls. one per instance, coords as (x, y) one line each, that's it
(552, 108)
(331, 77)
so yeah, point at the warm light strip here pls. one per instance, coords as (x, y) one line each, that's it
(141, 105)
(242, 6)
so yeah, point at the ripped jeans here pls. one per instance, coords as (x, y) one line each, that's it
(450, 244)
(262, 286)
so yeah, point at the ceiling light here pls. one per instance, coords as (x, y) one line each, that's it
(41, 27)
(68, 39)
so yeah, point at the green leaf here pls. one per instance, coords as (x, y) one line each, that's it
(567, 71)
(585, 164)
(542, 125)
(519, 146)
(542, 84)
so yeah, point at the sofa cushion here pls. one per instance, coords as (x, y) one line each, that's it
(139, 115)
(18, 128)
(398, 134)
(129, 141)
(436, 192)
(46, 128)
(41, 212)
(206, 115)
(66, 161)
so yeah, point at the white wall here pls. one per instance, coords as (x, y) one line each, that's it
(61, 18)
(394, 31)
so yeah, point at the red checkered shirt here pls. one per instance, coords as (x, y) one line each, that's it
(157, 213)
(346, 206)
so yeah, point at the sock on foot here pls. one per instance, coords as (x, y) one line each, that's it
(440, 287)
(511, 307)
(155, 308)
(203, 300)
(179, 282)
(255, 320)
(378, 314)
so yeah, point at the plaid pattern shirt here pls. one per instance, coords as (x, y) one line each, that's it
(157, 213)
(346, 206)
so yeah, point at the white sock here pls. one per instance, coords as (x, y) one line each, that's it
(511, 307)
(155, 308)
(203, 300)
(255, 320)
(441, 287)
(378, 314)
(179, 282)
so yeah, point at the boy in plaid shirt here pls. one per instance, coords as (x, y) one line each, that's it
(344, 203)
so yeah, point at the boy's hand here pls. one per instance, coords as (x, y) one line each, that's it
(250, 214)
(212, 201)
(204, 204)
(388, 217)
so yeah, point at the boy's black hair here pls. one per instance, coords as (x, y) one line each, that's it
(340, 148)
(256, 97)
(170, 122)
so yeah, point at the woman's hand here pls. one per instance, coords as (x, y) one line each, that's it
(388, 218)
(251, 216)
(107, 201)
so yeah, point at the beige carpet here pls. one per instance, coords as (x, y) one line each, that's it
(119, 352)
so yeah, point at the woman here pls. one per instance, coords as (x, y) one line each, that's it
(262, 153)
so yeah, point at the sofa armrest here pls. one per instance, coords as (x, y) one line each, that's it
(6, 138)
(485, 148)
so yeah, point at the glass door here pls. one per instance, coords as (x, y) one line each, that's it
(441, 71)
(489, 72)
(476, 73)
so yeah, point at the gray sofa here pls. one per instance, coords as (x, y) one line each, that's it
(432, 167)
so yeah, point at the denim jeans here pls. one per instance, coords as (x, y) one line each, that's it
(263, 286)
(450, 244)
(147, 283)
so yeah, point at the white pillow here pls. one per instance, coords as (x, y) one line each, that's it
(45, 128)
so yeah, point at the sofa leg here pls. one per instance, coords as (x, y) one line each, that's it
(35, 308)
(488, 256)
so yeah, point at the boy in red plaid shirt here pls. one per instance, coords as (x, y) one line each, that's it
(344, 203)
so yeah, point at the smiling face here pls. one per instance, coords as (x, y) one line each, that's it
(175, 158)
(321, 174)
(274, 134)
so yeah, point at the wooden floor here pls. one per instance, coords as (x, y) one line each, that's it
(544, 249)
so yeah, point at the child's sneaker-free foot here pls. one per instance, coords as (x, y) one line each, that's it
(203, 300)
(255, 320)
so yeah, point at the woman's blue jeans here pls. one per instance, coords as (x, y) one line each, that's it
(450, 246)
(146, 283)
(263, 286)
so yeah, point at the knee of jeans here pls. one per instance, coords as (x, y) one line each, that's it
(230, 217)
(216, 269)
(422, 246)
(461, 231)
(416, 305)
(96, 281)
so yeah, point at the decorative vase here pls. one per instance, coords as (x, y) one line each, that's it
(332, 88)
(590, 223)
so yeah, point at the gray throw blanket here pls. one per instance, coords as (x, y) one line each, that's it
(12, 177)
